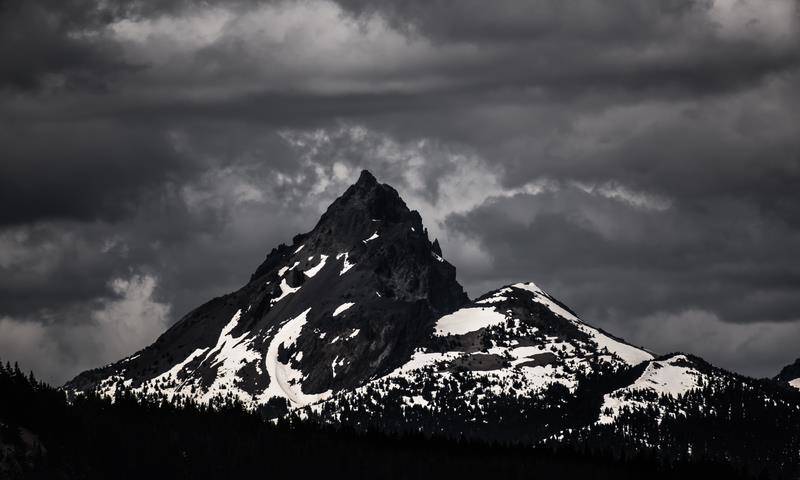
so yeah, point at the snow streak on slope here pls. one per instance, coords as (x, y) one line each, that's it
(284, 380)
(341, 308)
(230, 354)
(346, 265)
(285, 290)
(173, 372)
(315, 269)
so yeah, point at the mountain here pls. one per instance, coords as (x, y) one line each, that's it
(360, 323)
(790, 374)
(346, 302)
(492, 370)
(518, 366)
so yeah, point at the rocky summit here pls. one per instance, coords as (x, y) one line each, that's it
(361, 322)
(347, 302)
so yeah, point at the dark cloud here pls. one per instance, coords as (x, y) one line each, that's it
(639, 159)
(692, 46)
(637, 260)
(80, 169)
(510, 21)
(49, 44)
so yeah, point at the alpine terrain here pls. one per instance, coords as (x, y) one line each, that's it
(361, 322)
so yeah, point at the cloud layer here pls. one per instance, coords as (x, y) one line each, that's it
(637, 159)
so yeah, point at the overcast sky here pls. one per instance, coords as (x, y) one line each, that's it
(638, 159)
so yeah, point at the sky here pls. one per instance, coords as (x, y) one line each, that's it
(638, 160)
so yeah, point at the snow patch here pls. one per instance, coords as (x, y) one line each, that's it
(341, 308)
(130, 358)
(468, 320)
(284, 269)
(498, 296)
(315, 269)
(372, 237)
(337, 362)
(346, 265)
(285, 290)
(421, 359)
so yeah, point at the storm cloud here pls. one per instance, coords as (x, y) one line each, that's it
(639, 160)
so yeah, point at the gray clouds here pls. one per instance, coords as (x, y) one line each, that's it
(637, 159)
(54, 344)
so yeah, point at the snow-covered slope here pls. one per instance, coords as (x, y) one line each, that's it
(519, 334)
(673, 376)
(515, 342)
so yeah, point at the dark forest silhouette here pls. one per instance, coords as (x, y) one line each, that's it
(44, 436)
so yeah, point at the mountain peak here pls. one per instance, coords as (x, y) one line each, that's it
(366, 178)
(368, 201)
(346, 302)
